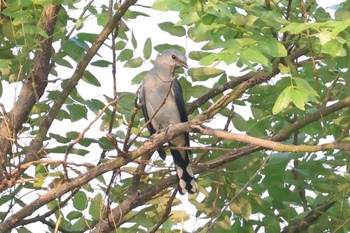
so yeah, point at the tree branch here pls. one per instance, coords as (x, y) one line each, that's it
(36, 143)
(33, 87)
(309, 219)
(73, 81)
(268, 144)
(140, 198)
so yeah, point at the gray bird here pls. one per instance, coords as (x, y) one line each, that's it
(155, 88)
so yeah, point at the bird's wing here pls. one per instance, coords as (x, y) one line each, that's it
(142, 98)
(180, 103)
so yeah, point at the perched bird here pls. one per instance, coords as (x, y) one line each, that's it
(162, 101)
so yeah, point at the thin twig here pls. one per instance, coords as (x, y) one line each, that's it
(127, 145)
(166, 214)
(209, 225)
(214, 146)
(151, 118)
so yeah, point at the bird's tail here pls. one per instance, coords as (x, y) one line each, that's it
(186, 180)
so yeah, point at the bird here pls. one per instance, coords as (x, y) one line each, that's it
(162, 101)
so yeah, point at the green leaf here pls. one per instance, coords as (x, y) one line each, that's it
(79, 23)
(75, 48)
(172, 29)
(102, 18)
(95, 207)
(133, 14)
(38, 108)
(138, 78)
(101, 63)
(77, 112)
(164, 5)
(133, 63)
(333, 48)
(74, 215)
(133, 40)
(76, 96)
(90, 37)
(344, 24)
(64, 62)
(80, 152)
(23, 230)
(80, 200)
(59, 138)
(41, 173)
(120, 45)
(272, 47)
(198, 90)
(242, 207)
(8, 30)
(62, 114)
(239, 122)
(91, 79)
(283, 100)
(299, 98)
(198, 55)
(296, 28)
(227, 56)
(179, 215)
(299, 94)
(147, 49)
(125, 55)
(204, 73)
(95, 105)
(307, 88)
(105, 144)
(252, 55)
(162, 47)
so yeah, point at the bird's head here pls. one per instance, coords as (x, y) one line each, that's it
(172, 58)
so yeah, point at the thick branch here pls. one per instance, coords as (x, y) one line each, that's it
(54, 193)
(36, 144)
(268, 144)
(73, 81)
(33, 86)
(139, 199)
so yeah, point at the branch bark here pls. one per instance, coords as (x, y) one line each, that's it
(33, 87)
(36, 143)
(137, 198)
(77, 75)
(268, 144)
(140, 198)
(308, 220)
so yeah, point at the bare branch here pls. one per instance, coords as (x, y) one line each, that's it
(267, 143)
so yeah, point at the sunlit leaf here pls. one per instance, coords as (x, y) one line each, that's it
(204, 73)
(133, 63)
(147, 49)
(283, 100)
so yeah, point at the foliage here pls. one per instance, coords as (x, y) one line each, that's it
(270, 77)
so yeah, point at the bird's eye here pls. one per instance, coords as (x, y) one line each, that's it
(173, 57)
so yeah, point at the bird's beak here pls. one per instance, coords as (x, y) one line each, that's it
(184, 65)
